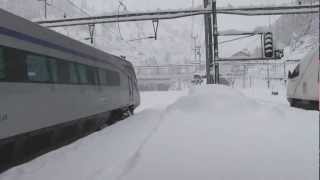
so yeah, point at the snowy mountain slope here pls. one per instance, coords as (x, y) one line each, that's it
(174, 44)
(296, 33)
(116, 38)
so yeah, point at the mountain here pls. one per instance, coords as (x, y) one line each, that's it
(128, 39)
(175, 43)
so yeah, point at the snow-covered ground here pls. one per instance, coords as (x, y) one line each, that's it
(206, 133)
(159, 99)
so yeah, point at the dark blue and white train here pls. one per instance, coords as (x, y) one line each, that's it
(53, 88)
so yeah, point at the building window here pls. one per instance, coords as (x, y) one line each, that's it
(37, 69)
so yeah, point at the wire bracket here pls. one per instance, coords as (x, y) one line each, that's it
(91, 32)
(155, 24)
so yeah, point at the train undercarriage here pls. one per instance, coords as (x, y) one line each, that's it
(304, 104)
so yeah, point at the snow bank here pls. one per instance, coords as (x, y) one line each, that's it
(159, 99)
(212, 133)
(265, 95)
(219, 133)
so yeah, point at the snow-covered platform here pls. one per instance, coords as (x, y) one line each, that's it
(207, 133)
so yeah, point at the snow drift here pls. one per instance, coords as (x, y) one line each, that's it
(219, 133)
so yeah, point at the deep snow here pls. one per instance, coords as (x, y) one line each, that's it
(209, 133)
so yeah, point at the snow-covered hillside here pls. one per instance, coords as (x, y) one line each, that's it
(174, 44)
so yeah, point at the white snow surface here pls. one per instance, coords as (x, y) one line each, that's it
(210, 132)
(159, 99)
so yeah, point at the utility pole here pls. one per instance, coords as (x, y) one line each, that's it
(284, 73)
(215, 41)
(208, 41)
(268, 76)
(197, 52)
(195, 37)
(45, 7)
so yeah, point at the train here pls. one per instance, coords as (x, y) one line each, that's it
(303, 82)
(54, 89)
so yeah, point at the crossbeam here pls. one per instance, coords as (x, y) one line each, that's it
(244, 59)
(173, 14)
(170, 66)
(259, 62)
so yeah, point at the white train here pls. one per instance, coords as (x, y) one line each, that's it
(54, 89)
(303, 83)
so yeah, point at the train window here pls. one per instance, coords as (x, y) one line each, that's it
(82, 70)
(3, 74)
(63, 70)
(37, 69)
(91, 75)
(96, 76)
(73, 74)
(16, 66)
(116, 78)
(53, 69)
(109, 77)
(113, 78)
(103, 77)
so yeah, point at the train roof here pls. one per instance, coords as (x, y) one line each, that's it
(29, 32)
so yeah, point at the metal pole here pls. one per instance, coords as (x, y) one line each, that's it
(268, 76)
(262, 46)
(244, 77)
(45, 9)
(215, 41)
(208, 41)
(284, 73)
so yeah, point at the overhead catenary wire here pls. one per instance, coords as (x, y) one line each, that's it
(121, 4)
(86, 13)
(58, 8)
(125, 8)
(121, 36)
(79, 8)
(235, 39)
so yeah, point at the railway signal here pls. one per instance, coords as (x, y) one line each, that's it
(268, 45)
(278, 53)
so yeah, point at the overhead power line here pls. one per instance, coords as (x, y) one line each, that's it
(235, 39)
(173, 14)
(79, 8)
